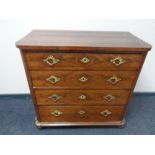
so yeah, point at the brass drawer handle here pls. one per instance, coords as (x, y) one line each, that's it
(109, 97)
(114, 79)
(82, 97)
(56, 113)
(85, 60)
(55, 97)
(53, 79)
(81, 112)
(51, 60)
(105, 113)
(118, 61)
(83, 79)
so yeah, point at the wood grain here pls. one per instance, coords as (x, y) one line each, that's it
(96, 61)
(71, 113)
(70, 97)
(81, 40)
(70, 79)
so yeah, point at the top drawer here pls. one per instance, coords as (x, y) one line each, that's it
(62, 61)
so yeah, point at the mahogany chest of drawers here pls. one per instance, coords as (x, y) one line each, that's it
(81, 77)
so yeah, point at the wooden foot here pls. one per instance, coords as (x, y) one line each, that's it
(123, 124)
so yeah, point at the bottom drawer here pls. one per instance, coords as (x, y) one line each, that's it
(80, 113)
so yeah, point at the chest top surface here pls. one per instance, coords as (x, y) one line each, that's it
(69, 40)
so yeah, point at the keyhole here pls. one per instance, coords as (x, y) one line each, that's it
(117, 61)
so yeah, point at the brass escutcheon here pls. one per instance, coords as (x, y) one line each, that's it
(105, 113)
(82, 97)
(118, 61)
(55, 97)
(53, 79)
(83, 79)
(56, 113)
(51, 60)
(109, 97)
(114, 79)
(85, 60)
(81, 112)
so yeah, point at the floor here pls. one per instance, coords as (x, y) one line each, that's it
(17, 118)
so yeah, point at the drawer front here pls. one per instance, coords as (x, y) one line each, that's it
(81, 97)
(81, 61)
(83, 79)
(80, 113)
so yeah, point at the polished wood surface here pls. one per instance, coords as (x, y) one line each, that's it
(80, 113)
(93, 40)
(81, 97)
(95, 61)
(67, 90)
(71, 79)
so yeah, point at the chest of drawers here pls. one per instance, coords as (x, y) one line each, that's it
(81, 77)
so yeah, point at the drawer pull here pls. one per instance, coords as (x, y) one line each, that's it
(82, 97)
(118, 61)
(109, 97)
(83, 79)
(85, 60)
(55, 97)
(114, 79)
(51, 60)
(81, 112)
(53, 79)
(105, 113)
(56, 113)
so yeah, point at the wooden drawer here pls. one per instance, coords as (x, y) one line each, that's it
(81, 97)
(67, 61)
(83, 79)
(80, 113)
